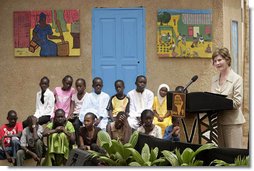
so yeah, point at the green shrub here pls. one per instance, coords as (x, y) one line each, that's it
(239, 161)
(188, 156)
(119, 154)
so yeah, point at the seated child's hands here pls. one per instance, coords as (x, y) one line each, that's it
(35, 157)
(59, 129)
(122, 118)
(176, 130)
(10, 159)
(82, 147)
(70, 117)
(160, 119)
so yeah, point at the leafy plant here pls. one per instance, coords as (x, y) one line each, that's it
(188, 156)
(239, 161)
(118, 154)
(146, 158)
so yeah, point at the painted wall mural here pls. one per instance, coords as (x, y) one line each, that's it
(47, 33)
(184, 33)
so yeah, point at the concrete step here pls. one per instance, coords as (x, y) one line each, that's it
(28, 162)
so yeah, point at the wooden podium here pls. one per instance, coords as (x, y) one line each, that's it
(205, 106)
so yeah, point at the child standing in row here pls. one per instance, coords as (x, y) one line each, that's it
(119, 102)
(76, 104)
(162, 114)
(63, 95)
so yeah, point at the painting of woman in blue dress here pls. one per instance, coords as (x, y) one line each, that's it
(41, 35)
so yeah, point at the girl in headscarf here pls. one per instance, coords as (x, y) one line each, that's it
(162, 115)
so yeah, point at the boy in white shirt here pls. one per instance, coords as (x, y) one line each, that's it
(140, 99)
(96, 102)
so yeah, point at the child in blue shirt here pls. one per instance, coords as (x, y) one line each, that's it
(172, 132)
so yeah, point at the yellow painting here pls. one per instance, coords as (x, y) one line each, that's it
(184, 33)
(47, 33)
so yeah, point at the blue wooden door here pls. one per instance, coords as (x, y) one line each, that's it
(118, 46)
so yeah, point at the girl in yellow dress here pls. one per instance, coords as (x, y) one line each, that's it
(162, 115)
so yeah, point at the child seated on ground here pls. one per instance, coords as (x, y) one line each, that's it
(60, 137)
(120, 128)
(119, 102)
(147, 126)
(10, 137)
(76, 103)
(31, 142)
(88, 133)
(172, 132)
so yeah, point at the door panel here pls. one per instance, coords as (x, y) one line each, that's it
(118, 46)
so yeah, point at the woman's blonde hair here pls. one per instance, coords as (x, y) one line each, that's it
(224, 53)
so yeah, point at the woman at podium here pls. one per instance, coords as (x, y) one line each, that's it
(229, 83)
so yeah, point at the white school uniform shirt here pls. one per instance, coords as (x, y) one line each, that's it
(97, 104)
(156, 132)
(138, 103)
(49, 103)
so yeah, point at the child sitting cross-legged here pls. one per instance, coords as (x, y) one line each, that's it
(120, 128)
(31, 142)
(61, 136)
(88, 133)
(10, 134)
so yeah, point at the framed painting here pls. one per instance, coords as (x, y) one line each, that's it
(48, 33)
(184, 33)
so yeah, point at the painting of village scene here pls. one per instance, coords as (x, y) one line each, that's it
(184, 33)
(47, 33)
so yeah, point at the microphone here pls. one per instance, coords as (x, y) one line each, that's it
(193, 79)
